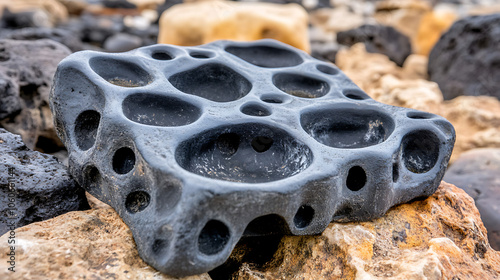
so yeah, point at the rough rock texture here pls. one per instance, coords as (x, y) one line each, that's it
(26, 72)
(240, 21)
(478, 173)
(49, 11)
(432, 25)
(92, 244)
(441, 237)
(466, 59)
(62, 36)
(33, 186)
(476, 119)
(378, 39)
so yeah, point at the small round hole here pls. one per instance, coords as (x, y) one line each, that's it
(93, 180)
(395, 172)
(355, 94)
(137, 201)
(161, 56)
(273, 99)
(304, 216)
(327, 69)
(228, 144)
(199, 55)
(86, 126)
(419, 115)
(213, 238)
(356, 178)
(262, 143)
(123, 160)
(420, 151)
(255, 110)
(159, 246)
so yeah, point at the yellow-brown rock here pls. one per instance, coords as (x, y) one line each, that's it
(432, 25)
(93, 244)
(476, 119)
(197, 23)
(441, 237)
(53, 10)
(404, 15)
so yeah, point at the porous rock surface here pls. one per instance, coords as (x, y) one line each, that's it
(441, 237)
(478, 173)
(26, 72)
(196, 147)
(466, 59)
(93, 244)
(239, 21)
(33, 186)
(378, 39)
(476, 119)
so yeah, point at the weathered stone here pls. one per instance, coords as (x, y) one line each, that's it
(441, 237)
(50, 11)
(95, 29)
(478, 173)
(194, 148)
(33, 186)
(476, 119)
(378, 39)
(122, 42)
(27, 68)
(465, 60)
(93, 244)
(62, 36)
(240, 21)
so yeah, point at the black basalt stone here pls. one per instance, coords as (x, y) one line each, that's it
(379, 39)
(197, 147)
(33, 186)
(466, 59)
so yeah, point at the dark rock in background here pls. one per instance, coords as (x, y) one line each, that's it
(477, 172)
(38, 186)
(122, 42)
(466, 59)
(34, 18)
(95, 29)
(59, 35)
(26, 72)
(379, 39)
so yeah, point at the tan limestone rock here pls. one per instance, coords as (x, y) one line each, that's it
(239, 21)
(432, 25)
(441, 237)
(52, 9)
(93, 244)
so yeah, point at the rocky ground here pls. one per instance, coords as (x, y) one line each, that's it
(437, 56)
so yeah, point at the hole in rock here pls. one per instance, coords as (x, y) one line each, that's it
(355, 94)
(272, 99)
(93, 180)
(256, 158)
(213, 238)
(420, 151)
(123, 160)
(137, 201)
(271, 224)
(304, 216)
(200, 55)
(255, 110)
(86, 126)
(356, 178)
(344, 212)
(159, 55)
(395, 172)
(228, 143)
(327, 69)
(214, 82)
(347, 126)
(157, 110)
(301, 86)
(419, 115)
(159, 246)
(120, 73)
(264, 56)
(262, 143)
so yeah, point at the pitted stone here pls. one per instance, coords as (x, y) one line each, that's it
(196, 147)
